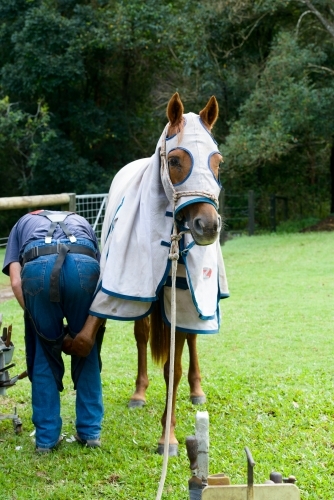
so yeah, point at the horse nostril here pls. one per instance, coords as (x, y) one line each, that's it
(198, 225)
(219, 223)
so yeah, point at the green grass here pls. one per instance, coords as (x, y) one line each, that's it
(4, 280)
(268, 377)
(295, 225)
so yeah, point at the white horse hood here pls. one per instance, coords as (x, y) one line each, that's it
(137, 231)
(197, 141)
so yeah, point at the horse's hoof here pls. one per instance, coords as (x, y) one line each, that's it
(173, 450)
(198, 400)
(136, 403)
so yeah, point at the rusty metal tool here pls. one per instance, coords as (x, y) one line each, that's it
(12, 381)
(4, 334)
(9, 336)
(250, 474)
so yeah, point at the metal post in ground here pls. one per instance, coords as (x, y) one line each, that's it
(286, 208)
(251, 213)
(273, 213)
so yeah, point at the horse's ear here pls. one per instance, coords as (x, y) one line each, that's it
(210, 113)
(175, 110)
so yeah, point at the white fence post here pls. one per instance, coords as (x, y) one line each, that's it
(202, 436)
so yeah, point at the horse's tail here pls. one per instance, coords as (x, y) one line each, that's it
(159, 336)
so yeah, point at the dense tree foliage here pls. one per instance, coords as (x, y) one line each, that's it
(84, 86)
(280, 132)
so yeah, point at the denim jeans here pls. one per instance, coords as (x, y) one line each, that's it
(78, 278)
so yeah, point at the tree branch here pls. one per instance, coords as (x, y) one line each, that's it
(300, 20)
(174, 55)
(323, 68)
(327, 24)
(245, 38)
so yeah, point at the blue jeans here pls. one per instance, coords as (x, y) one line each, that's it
(78, 278)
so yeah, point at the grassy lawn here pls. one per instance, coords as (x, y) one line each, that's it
(268, 377)
(4, 280)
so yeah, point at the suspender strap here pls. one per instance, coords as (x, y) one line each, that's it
(56, 218)
(51, 230)
(66, 231)
(54, 277)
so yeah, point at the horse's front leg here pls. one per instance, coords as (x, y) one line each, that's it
(173, 443)
(197, 395)
(141, 333)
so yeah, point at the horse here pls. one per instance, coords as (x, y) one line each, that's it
(178, 187)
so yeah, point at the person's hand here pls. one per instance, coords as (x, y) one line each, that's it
(67, 344)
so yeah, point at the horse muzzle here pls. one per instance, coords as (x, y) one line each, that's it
(203, 221)
(205, 232)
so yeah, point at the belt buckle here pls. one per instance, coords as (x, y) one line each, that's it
(34, 252)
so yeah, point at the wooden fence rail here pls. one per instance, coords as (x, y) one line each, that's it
(65, 200)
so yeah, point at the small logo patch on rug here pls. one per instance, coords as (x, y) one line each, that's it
(207, 271)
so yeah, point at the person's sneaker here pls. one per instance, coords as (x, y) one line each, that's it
(90, 443)
(38, 449)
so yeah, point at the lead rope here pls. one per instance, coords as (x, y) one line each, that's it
(174, 257)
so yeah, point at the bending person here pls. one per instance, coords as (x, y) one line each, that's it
(52, 259)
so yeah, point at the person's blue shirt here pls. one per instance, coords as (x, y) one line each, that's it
(33, 227)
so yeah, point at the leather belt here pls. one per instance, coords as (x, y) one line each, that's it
(35, 252)
(62, 250)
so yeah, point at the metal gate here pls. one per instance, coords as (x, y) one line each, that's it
(92, 207)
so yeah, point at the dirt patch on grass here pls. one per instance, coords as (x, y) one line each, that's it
(326, 224)
(6, 293)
